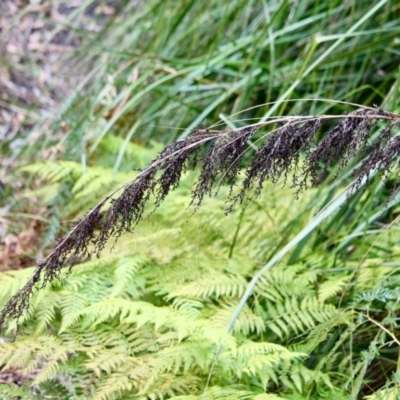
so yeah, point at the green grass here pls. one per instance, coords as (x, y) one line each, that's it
(154, 71)
(159, 68)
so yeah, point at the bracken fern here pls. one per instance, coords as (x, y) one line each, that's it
(145, 320)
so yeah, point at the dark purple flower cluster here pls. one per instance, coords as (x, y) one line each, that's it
(220, 163)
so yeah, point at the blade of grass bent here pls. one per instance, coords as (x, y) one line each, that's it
(321, 216)
(316, 221)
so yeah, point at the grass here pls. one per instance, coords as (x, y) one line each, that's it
(165, 66)
(157, 69)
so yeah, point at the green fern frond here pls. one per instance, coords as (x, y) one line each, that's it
(151, 317)
(45, 307)
(125, 277)
(13, 391)
(105, 335)
(282, 283)
(12, 281)
(54, 362)
(185, 356)
(174, 274)
(105, 361)
(259, 360)
(298, 377)
(213, 285)
(96, 180)
(47, 193)
(168, 385)
(247, 323)
(141, 340)
(331, 288)
(116, 385)
(295, 315)
(255, 348)
(150, 244)
(189, 306)
(138, 155)
(22, 354)
(137, 312)
(54, 172)
(71, 304)
(260, 365)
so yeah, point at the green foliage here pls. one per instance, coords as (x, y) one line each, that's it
(146, 320)
(279, 155)
(159, 68)
(130, 345)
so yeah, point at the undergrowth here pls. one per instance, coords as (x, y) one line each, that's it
(150, 319)
(145, 320)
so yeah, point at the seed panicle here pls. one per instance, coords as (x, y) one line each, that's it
(221, 163)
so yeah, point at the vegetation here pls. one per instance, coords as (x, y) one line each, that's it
(280, 299)
(151, 316)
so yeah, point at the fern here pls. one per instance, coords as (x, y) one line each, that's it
(151, 317)
(136, 330)
(213, 285)
(331, 288)
(126, 278)
(298, 316)
(137, 349)
(57, 173)
(248, 322)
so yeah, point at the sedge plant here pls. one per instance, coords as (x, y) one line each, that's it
(219, 156)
